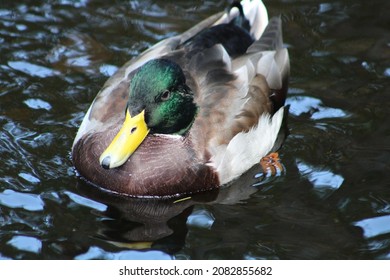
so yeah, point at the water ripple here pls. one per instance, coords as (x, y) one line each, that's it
(27, 201)
(375, 226)
(201, 218)
(33, 69)
(98, 253)
(26, 243)
(314, 107)
(86, 201)
(36, 103)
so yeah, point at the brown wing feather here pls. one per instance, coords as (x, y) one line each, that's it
(232, 94)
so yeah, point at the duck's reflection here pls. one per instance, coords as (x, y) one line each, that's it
(144, 223)
(138, 223)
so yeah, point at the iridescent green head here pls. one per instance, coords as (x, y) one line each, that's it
(159, 102)
(159, 87)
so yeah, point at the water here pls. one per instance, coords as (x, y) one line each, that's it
(333, 201)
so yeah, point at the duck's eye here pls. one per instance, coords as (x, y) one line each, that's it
(165, 95)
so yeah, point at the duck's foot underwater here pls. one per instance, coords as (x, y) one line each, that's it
(271, 165)
(269, 169)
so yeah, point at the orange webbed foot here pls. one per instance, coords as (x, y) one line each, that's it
(271, 164)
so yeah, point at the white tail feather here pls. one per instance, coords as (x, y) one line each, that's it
(247, 148)
(255, 12)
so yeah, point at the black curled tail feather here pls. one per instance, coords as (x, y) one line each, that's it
(233, 36)
(240, 20)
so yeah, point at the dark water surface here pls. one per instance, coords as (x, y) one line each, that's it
(333, 202)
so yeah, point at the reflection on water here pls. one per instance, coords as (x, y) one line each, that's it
(14, 199)
(313, 106)
(26, 243)
(324, 181)
(332, 201)
(375, 226)
(201, 218)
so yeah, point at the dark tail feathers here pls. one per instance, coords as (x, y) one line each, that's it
(240, 20)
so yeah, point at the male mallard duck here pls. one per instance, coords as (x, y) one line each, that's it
(193, 112)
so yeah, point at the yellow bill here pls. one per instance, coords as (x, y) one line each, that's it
(131, 135)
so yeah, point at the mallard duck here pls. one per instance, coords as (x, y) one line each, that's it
(193, 112)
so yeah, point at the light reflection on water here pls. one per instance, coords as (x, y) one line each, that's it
(324, 181)
(376, 226)
(26, 201)
(32, 69)
(26, 243)
(83, 201)
(95, 253)
(201, 218)
(331, 202)
(310, 105)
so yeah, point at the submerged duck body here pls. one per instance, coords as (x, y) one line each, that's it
(193, 112)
